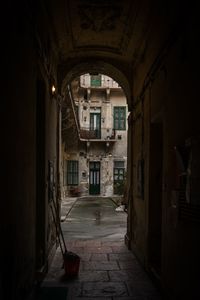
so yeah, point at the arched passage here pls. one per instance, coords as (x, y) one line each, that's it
(98, 67)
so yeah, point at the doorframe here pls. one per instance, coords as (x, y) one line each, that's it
(99, 170)
(98, 135)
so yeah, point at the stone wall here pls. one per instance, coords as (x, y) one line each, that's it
(106, 154)
(165, 115)
(27, 232)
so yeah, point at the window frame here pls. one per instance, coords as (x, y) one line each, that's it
(117, 117)
(96, 80)
(118, 171)
(72, 174)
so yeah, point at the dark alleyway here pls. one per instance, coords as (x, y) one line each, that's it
(151, 50)
(108, 270)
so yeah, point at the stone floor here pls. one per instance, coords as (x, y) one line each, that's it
(108, 270)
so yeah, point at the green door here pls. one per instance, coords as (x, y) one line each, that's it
(95, 125)
(94, 178)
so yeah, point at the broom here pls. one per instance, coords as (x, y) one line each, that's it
(71, 260)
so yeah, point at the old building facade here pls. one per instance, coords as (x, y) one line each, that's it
(98, 164)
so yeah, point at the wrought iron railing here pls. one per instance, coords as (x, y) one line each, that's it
(103, 133)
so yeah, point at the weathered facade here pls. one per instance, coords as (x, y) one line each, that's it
(151, 49)
(97, 165)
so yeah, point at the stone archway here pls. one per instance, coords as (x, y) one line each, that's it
(100, 67)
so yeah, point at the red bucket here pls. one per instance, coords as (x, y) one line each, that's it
(71, 264)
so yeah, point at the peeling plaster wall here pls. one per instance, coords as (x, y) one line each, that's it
(99, 151)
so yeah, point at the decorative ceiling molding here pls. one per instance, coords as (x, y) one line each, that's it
(100, 25)
(99, 18)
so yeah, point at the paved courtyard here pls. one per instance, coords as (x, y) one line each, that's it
(108, 270)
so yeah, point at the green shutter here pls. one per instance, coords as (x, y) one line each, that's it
(120, 118)
(72, 172)
(95, 80)
(65, 173)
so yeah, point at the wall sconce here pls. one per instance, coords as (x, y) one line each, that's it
(53, 89)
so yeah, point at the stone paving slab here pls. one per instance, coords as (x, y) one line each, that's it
(99, 257)
(118, 243)
(74, 290)
(120, 249)
(121, 256)
(128, 276)
(87, 243)
(66, 205)
(85, 256)
(78, 250)
(129, 265)
(104, 289)
(100, 265)
(141, 288)
(103, 249)
(92, 276)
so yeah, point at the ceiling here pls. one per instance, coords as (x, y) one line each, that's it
(99, 30)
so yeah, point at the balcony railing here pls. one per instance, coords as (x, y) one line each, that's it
(101, 134)
(104, 82)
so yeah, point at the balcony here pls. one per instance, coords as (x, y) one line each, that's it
(104, 82)
(103, 134)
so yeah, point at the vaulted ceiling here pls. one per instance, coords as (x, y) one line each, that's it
(111, 37)
(100, 30)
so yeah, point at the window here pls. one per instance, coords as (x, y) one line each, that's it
(118, 171)
(119, 177)
(120, 118)
(65, 173)
(72, 172)
(95, 80)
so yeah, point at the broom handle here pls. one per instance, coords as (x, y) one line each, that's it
(58, 235)
(60, 229)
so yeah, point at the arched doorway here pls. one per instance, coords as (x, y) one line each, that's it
(94, 172)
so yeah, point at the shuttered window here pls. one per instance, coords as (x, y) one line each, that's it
(95, 80)
(120, 118)
(118, 171)
(72, 172)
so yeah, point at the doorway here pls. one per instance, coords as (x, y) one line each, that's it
(95, 124)
(155, 198)
(94, 188)
(40, 247)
